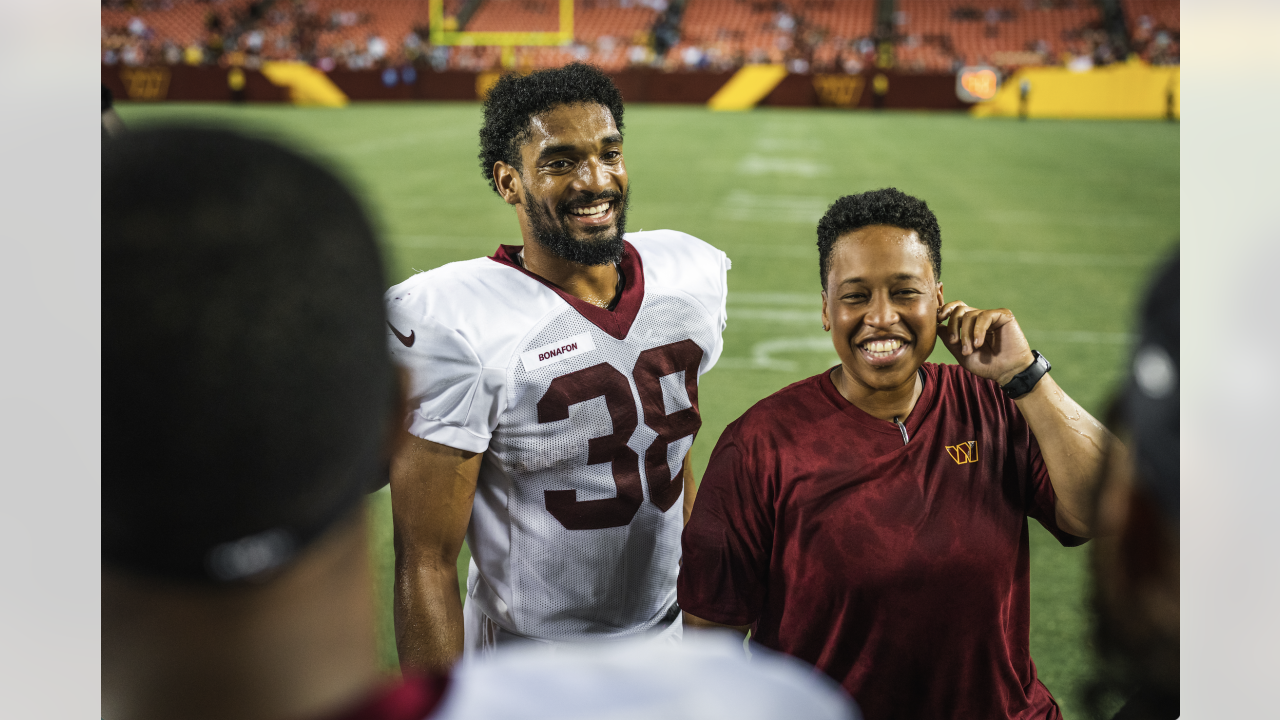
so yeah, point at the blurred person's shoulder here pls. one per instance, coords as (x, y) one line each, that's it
(707, 677)
(412, 698)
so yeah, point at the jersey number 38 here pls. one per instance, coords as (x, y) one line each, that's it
(605, 381)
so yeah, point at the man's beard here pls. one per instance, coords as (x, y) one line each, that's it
(605, 244)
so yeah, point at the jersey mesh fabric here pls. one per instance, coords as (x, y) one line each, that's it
(609, 581)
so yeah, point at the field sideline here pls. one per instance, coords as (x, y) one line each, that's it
(1059, 221)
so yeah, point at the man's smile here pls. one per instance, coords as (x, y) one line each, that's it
(601, 213)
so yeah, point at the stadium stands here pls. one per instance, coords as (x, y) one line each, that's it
(608, 33)
(939, 35)
(354, 32)
(1153, 29)
(807, 34)
(366, 33)
(930, 36)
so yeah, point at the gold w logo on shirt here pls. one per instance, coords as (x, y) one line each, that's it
(965, 452)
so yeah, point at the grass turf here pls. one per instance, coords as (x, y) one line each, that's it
(1059, 221)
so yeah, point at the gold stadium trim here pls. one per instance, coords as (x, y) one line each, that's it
(442, 36)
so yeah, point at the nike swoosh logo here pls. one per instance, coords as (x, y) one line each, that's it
(406, 339)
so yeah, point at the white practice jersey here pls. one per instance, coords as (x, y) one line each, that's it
(584, 416)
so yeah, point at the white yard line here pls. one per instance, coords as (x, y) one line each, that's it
(762, 353)
(1035, 217)
(796, 167)
(813, 299)
(991, 257)
(753, 207)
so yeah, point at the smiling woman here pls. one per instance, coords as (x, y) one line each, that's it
(872, 520)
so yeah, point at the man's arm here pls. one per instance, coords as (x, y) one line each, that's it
(990, 344)
(432, 487)
(690, 484)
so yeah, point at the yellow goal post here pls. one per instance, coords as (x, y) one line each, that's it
(441, 36)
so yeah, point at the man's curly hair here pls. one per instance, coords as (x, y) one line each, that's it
(878, 207)
(515, 99)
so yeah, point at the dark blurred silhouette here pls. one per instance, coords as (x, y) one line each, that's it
(248, 403)
(112, 125)
(1135, 555)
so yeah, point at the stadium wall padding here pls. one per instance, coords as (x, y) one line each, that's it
(748, 86)
(1124, 91)
(210, 84)
(188, 83)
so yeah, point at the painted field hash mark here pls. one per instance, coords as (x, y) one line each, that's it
(752, 207)
(761, 165)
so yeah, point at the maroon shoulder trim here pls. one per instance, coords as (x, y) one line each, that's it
(616, 322)
(416, 698)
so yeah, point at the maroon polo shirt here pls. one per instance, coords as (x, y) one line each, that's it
(900, 570)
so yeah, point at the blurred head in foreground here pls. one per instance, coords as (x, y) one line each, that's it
(1233, 519)
(247, 409)
(1135, 556)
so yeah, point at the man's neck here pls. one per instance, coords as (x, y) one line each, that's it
(596, 284)
(892, 404)
(299, 646)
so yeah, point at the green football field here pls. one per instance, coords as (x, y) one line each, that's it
(1059, 221)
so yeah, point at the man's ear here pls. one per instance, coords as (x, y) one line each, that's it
(941, 302)
(507, 179)
(826, 322)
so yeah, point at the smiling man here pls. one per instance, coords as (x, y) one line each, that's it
(872, 519)
(555, 395)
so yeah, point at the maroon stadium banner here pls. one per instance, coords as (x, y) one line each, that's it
(213, 84)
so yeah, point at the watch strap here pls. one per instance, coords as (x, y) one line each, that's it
(1023, 382)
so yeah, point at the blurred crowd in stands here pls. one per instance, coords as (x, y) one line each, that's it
(674, 35)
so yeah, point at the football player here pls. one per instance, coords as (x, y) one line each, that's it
(554, 392)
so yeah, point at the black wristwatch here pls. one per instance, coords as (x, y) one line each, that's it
(1023, 382)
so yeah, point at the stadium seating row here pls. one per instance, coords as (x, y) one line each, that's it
(825, 35)
(939, 34)
(814, 32)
